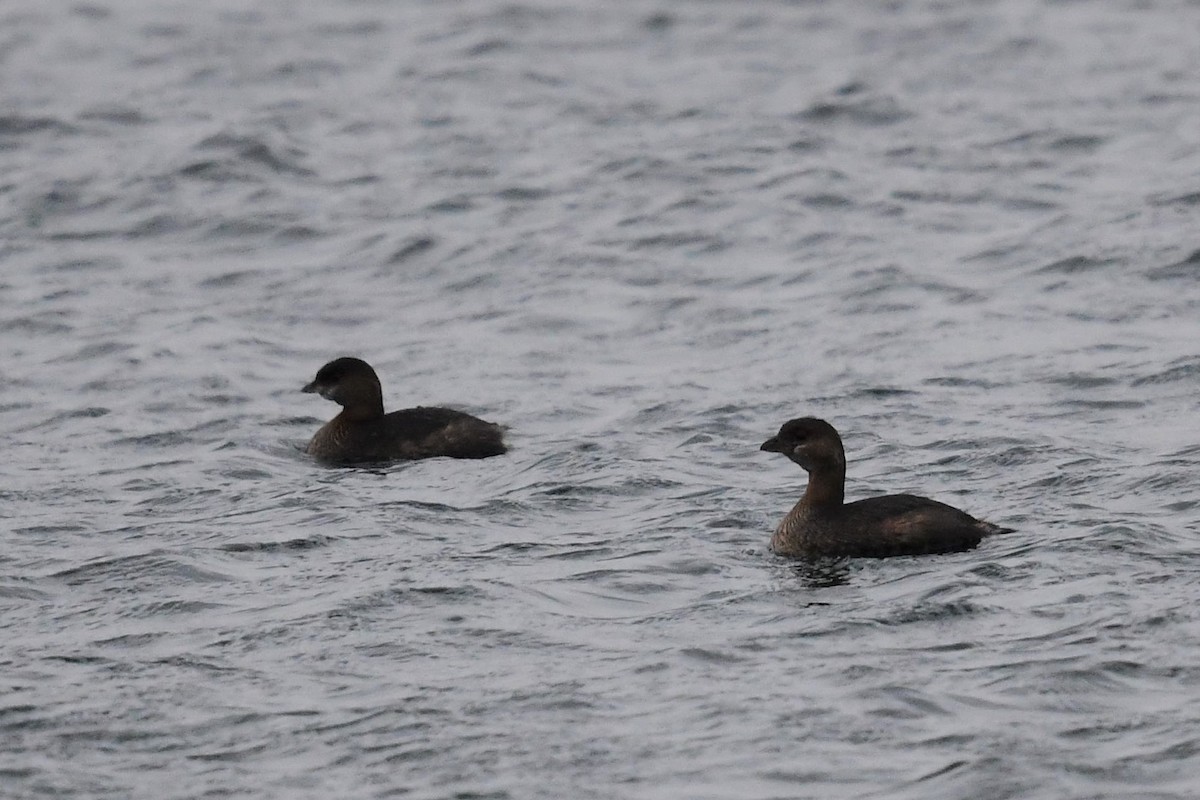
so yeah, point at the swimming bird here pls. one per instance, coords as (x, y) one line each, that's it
(823, 524)
(362, 433)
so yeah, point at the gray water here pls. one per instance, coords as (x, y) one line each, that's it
(641, 235)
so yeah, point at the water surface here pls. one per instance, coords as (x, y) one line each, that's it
(641, 235)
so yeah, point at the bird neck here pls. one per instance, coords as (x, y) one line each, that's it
(826, 488)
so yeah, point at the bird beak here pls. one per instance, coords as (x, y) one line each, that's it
(311, 388)
(772, 445)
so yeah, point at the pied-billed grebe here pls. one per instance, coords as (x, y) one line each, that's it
(362, 433)
(821, 524)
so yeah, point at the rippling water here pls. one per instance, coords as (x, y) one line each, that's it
(641, 235)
